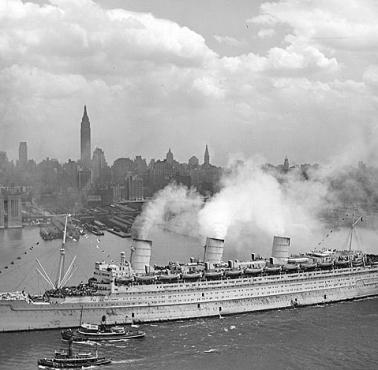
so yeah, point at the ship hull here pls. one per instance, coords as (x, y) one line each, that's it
(183, 300)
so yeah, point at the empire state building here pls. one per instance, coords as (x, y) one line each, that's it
(85, 135)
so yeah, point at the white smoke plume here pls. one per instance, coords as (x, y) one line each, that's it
(254, 205)
(175, 208)
(256, 202)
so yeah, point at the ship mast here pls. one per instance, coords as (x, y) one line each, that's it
(62, 256)
(62, 277)
(354, 224)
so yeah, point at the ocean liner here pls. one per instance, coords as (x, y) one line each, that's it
(134, 292)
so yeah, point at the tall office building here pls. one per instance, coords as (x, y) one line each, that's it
(286, 165)
(134, 187)
(98, 166)
(23, 154)
(10, 208)
(169, 157)
(85, 135)
(206, 157)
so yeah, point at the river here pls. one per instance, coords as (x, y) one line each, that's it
(335, 336)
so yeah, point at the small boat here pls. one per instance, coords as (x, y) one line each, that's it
(100, 332)
(192, 275)
(233, 273)
(124, 280)
(342, 263)
(213, 274)
(308, 266)
(168, 277)
(68, 360)
(325, 264)
(296, 260)
(145, 278)
(253, 271)
(272, 269)
(290, 267)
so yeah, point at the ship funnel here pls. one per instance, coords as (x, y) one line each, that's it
(280, 249)
(140, 255)
(213, 250)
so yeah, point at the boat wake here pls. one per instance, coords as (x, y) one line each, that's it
(87, 343)
(211, 350)
(118, 340)
(126, 361)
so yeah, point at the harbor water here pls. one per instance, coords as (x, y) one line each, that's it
(334, 336)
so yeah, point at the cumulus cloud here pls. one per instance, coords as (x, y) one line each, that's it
(299, 58)
(351, 26)
(370, 75)
(230, 41)
(266, 33)
(144, 77)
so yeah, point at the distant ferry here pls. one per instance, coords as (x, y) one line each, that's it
(134, 292)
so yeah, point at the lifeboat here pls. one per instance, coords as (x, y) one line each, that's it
(290, 267)
(308, 266)
(233, 273)
(342, 263)
(192, 276)
(325, 264)
(145, 278)
(168, 277)
(253, 271)
(272, 269)
(213, 274)
(124, 280)
(297, 260)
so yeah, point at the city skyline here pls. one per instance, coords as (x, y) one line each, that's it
(251, 77)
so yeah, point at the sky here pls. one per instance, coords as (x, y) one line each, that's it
(289, 77)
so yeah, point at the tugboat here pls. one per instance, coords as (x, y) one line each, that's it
(102, 332)
(68, 360)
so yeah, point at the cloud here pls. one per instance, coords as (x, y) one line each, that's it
(370, 75)
(144, 77)
(298, 58)
(229, 41)
(69, 32)
(351, 26)
(266, 33)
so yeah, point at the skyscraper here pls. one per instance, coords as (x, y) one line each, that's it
(286, 165)
(169, 157)
(23, 154)
(85, 135)
(98, 165)
(206, 158)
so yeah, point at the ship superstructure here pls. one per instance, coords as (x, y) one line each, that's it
(132, 291)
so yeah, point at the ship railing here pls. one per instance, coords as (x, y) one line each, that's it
(262, 276)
